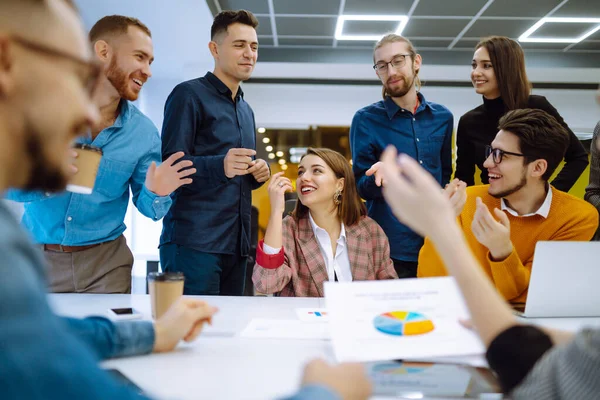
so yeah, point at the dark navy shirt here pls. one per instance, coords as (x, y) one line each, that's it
(425, 135)
(212, 214)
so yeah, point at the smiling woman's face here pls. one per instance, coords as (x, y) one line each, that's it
(316, 183)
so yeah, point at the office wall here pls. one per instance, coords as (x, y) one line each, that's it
(282, 105)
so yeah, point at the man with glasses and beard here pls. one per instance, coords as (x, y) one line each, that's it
(46, 72)
(82, 235)
(417, 127)
(504, 220)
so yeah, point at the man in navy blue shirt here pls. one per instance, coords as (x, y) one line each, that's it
(206, 233)
(417, 127)
(81, 234)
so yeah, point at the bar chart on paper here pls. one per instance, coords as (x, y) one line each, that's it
(403, 323)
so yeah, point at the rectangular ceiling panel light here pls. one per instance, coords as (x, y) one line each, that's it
(526, 37)
(339, 28)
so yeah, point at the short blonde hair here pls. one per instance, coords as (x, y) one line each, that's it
(394, 38)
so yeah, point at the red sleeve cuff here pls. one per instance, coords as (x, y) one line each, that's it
(269, 261)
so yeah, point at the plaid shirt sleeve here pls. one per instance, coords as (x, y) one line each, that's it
(272, 273)
(381, 254)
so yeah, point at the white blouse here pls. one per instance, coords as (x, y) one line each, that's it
(336, 266)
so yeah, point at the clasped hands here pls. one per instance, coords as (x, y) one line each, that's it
(240, 162)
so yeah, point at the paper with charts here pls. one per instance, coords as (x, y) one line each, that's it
(398, 319)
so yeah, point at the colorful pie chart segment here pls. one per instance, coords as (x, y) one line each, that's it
(403, 323)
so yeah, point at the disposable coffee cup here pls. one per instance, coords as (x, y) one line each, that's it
(87, 163)
(165, 288)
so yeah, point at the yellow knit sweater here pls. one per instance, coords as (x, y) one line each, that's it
(569, 218)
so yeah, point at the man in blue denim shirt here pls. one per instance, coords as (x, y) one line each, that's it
(82, 235)
(206, 233)
(45, 68)
(419, 128)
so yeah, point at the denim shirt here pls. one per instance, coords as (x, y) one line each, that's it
(212, 214)
(71, 219)
(425, 135)
(43, 356)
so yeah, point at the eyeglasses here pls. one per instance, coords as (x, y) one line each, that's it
(91, 69)
(397, 62)
(499, 154)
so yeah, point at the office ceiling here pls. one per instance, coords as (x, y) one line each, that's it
(292, 29)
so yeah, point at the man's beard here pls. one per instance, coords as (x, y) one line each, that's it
(405, 88)
(43, 176)
(512, 190)
(119, 79)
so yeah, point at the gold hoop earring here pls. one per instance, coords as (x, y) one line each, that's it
(337, 197)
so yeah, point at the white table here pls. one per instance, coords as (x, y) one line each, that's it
(220, 364)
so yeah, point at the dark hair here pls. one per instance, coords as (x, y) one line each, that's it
(508, 61)
(115, 25)
(540, 135)
(351, 207)
(230, 17)
(394, 38)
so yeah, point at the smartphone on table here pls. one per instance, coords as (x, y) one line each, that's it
(126, 313)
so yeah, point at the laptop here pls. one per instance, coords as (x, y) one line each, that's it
(565, 280)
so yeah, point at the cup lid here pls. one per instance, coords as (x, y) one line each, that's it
(88, 147)
(165, 276)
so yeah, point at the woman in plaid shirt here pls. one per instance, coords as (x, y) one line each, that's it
(328, 237)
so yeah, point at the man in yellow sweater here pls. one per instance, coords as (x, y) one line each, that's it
(504, 220)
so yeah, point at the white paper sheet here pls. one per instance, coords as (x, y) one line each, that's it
(398, 319)
(285, 329)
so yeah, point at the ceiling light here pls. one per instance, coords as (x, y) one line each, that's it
(526, 37)
(284, 167)
(271, 156)
(281, 161)
(339, 28)
(266, 140)
(279, 154)
(261, 130)
(269, 148)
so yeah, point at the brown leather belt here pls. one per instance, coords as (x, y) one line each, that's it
(69, 249)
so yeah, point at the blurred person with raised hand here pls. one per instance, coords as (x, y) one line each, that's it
(503, 221)
(82, 234)
(498, 74)
(328, 237)
(206, 234)
(530, 362)
(405, 119)
(592, 191)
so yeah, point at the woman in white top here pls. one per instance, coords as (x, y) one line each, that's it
(328, 237)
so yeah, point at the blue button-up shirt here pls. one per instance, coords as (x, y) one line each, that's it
(70, 219)
(425, 135)
(212, 214)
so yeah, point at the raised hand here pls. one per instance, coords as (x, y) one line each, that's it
(376, 170)
(414, 195)
(495, 235)
(237, 162)
(170, 175)
(456, 191)
(259, 170)
(278, 185)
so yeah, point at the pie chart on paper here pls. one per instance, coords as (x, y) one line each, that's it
(403, 323)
